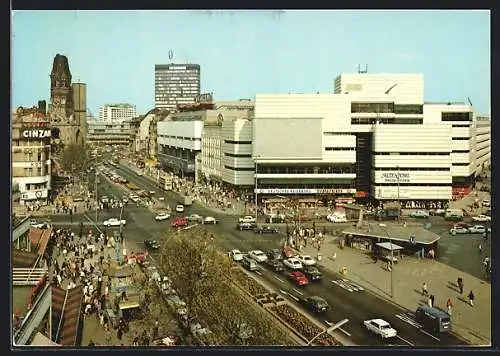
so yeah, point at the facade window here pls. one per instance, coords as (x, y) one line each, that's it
(411, 153)
(237, 155)
(456, 116)
(359, 107)
(408, 121)
(238, 142)
(460, 138)
(338, 133)
(340, 148)
(402, 169)
(460, 151)
(460, 125)
(414, 184)
(460, 164)
(409, 109)
(239, 169)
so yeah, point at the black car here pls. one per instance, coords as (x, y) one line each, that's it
(245, 226)
(316, 304)
(152, 244)
(312, 273)
(275, 265)
(265, 229)
(276, 219)
(274, 254)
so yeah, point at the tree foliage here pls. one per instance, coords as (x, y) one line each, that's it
(75, 158)
(201, 277)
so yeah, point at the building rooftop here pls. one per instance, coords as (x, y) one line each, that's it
(394, 232)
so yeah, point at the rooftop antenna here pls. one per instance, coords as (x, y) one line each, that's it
(170, 55)
(470, 102)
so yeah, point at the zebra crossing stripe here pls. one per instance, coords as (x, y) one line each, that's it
(355, 286)
(409, 320)
(343, 285)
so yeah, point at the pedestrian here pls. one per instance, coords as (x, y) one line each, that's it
(460, 283)
(156, 329)
(108, 336)
(480, 248)
(471, 298)
(424, 289)
(449, 305)
(119, 333)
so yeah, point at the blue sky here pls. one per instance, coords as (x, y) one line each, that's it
(242, 53)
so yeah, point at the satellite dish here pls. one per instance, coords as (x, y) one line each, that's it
(170, 54)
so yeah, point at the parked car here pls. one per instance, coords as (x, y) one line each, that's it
(313, 273)
(179, 208)
(419, 214)
(38, 224)
(380, 327)
(485, 203)
(236, 255)
(316, 304)
(298, 278)
(477, 229)
(194, 218)
(162, 216)
(336, 218)
(249, 263)
(179, 222)
(276, 219)
(481, 218)
(114, 222)
(275, 265)
(258, 255)
(247, 219)
(210, 220)
(292, 263)
(275, 254)
(152, 244)
(459, 230)
(437, 212)
(306, 260)
(265, 229)
(245, 226)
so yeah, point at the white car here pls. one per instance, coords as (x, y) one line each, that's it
(210, 220)
(481, 218)
(477, 229)
(459, 230)
(381, 328)
(306, 260)
(236, 255)
(179, 208)
(418, 214)
(162, 216)
(485, 203)
(258, 255)
(293, 263)
(247, 219)
(336, 218)
(38, 225)
(114, 222)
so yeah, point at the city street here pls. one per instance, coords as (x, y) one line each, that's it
(356, 307)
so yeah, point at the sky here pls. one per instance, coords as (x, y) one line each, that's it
(243, 53)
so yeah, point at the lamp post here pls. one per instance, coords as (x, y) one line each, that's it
(256, 187)
(392, 259)
(328, 330)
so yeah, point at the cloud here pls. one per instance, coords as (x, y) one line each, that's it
(406, 56)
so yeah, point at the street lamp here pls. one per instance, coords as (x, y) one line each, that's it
(392, 258)
(329, 330)
(256, 187)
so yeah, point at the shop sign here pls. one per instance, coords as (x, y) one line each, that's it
(305, 191)
(336, 191)
(395, 177)
(204, 98)
(36, 133)
(39, 194)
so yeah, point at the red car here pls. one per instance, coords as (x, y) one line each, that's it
(298, 278)
(140, 257)
(180, 222)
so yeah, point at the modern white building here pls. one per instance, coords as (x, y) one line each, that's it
(176, 84)
(117, 112)
(482, 142)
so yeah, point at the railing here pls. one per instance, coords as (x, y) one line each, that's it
(61, 317)
(27, 276)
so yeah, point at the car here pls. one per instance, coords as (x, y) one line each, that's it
(38, 225)
(114, 222)
(292, 263)
(313, 273)
(275, 254)
(380, 327)
(180, 222)
(245, 226)
(419, 214)
(162, 216)
(152, 192)
(210, 220)
(179, 208)
(236, 255)
(140, 257)
(265, 229)
(481, 218)
(104, 199)
(275, 265)
(258, 255)
(135, 198)
(249, 263)
(459, 230)
(298, 278)
(306, 260)
(194, 218)
(125, 199)
(437, 212)
(477, 229)
(276, 219)
(152, 244)
(316, 304)
(336, 218)
(247, 219)
(485, 203)
(462, 224)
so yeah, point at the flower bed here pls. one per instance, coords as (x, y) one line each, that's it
(248, 284)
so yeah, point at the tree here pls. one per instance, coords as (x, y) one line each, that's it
(75, 158)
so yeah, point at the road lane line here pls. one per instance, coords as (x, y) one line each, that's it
(260, 274)
(426, 333)
(345, 332)
(279, 279)
(298, 291)
(329, 323)
(294, 297)
(404, 340)
(283, 292)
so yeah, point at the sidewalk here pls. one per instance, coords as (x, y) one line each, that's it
(470, 323)
(466, 202)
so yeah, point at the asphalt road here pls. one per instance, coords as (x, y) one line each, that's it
(356, 305)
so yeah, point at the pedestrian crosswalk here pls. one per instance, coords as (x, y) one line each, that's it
(348, 285)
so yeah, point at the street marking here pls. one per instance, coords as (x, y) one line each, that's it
(426, 333)
(409, 320)
(345, 332)
(261, 268)
(283, 292)
(329, 323)
(279, 279)
(354, 285)
(404, 340)
(348, 286)
(298, 291)
(260, 274)
(294, 297)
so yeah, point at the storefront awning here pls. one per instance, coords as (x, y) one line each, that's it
(389, 246)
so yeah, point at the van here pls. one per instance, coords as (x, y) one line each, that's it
(433, 319)
(249, 263)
